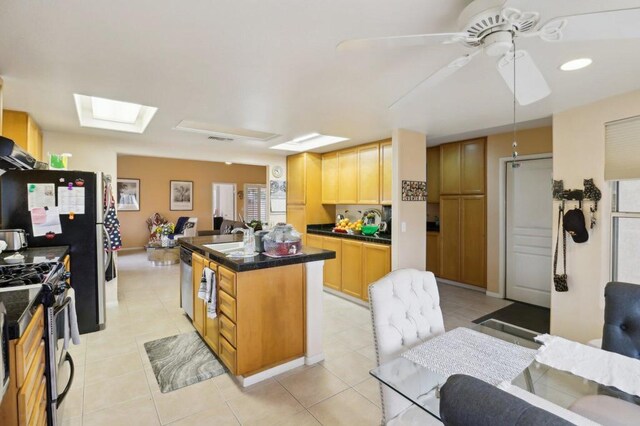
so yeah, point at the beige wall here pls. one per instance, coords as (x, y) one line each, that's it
(530, 141)
(578, 153)
(155, 173)
(408, 249)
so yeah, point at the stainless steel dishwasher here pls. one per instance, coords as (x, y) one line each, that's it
(186, 281)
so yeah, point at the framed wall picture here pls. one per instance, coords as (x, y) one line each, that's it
(181, 195)
(414, 190)
(128, 194)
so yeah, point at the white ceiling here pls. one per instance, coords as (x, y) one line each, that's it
(271, 65)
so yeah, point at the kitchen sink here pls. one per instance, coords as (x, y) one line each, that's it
(226, 247)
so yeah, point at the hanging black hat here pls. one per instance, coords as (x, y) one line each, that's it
(574, 224)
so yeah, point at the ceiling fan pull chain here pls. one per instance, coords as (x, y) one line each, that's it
(514, 154)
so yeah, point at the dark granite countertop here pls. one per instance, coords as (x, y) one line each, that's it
(327, 230)
(260, 261)
(38, 254)
(19, 302)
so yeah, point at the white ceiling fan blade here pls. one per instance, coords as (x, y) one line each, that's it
(531, 85)
(440, 75)
(401, 41)
(605, 25)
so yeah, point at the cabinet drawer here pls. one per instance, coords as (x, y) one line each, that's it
(227, 281)
(228, 355)
(227, 305)
(28, 399)
(228, 330)
(27, 345)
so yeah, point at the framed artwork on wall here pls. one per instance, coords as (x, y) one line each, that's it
(128, 194)
(414, 190)
(181, 195)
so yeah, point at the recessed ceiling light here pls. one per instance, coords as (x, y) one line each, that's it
(228, 163)
(310, 141)
(102, 113)
(576, 64)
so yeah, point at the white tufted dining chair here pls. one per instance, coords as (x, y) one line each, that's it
(405, 311)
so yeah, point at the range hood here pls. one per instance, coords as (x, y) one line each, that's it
(12, 157)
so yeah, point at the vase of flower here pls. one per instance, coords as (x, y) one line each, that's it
(162, 233)
(164, 241)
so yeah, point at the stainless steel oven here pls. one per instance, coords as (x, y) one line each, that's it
(186, 281)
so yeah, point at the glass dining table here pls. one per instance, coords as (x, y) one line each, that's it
(421, 386)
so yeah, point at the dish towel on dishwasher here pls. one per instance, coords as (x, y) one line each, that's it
(604, 367)
(207, 292)
(71, 320)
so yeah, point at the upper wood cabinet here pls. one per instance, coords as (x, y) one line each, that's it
(472, 173)
(330, 178)
(23, 130)
(297, 179)
(386, 176)
(462, 167)
(348, 176)
(360, 175)
(433, 175)
(369, 174)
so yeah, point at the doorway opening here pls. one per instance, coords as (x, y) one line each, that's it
(224, 200)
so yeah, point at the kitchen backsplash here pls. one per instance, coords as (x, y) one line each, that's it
(354, 212)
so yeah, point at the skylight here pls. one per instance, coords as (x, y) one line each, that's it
(310, 141)
(102, 113)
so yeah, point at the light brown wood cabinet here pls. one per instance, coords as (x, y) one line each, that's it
(386, 174)
(261, 319)
(433, 252)
(304, 201)
(463, 239)
(352, 268)
(23, 130)
(314, 241)
(348, 176)
(333, 267)
(375, 265)
(462, 167)
(25, 400)
(450, 237)
(356, 266)
(330, 178)
(369, 174)
(473, 254)
(433, 175)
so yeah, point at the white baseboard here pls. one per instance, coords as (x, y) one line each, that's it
(493, 294)
(457, 284)
(267, 374)
(346, 297)
(131, 249)
(314, 359)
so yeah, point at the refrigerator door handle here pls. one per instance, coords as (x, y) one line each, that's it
(100, 238)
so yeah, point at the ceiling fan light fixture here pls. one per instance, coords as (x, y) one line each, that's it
(576, 64)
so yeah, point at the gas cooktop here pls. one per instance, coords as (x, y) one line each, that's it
(23, 274)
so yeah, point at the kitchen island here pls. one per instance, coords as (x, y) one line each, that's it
(269, 310)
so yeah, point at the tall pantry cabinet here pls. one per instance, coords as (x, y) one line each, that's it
(463, 212)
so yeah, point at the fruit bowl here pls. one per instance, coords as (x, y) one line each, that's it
(370, 229)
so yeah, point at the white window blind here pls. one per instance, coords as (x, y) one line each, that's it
(255, 202)
(622, 149)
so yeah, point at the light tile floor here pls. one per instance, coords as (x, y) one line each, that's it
(114, 383)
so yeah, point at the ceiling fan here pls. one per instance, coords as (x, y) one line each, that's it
(492, 26)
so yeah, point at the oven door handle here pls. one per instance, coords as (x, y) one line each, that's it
(62, 394)
(60, 307)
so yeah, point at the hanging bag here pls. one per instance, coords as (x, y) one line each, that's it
(560, 280)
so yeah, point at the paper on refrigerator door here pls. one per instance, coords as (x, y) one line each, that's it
(50, 224)
(71, 200)
(41, 195)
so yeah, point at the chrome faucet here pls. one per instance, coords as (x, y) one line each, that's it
(248, 240)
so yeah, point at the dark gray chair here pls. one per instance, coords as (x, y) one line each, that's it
(621, 332)
(465, 400)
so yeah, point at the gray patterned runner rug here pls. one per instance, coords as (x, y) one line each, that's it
(182, 360)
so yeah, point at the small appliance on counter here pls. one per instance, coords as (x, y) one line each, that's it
(16, 239)
(259, 235)
(282, 241)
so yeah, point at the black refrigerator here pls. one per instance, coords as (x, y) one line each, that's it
(83, 233)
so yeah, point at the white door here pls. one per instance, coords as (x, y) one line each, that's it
(224, 200)
(528, 231)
